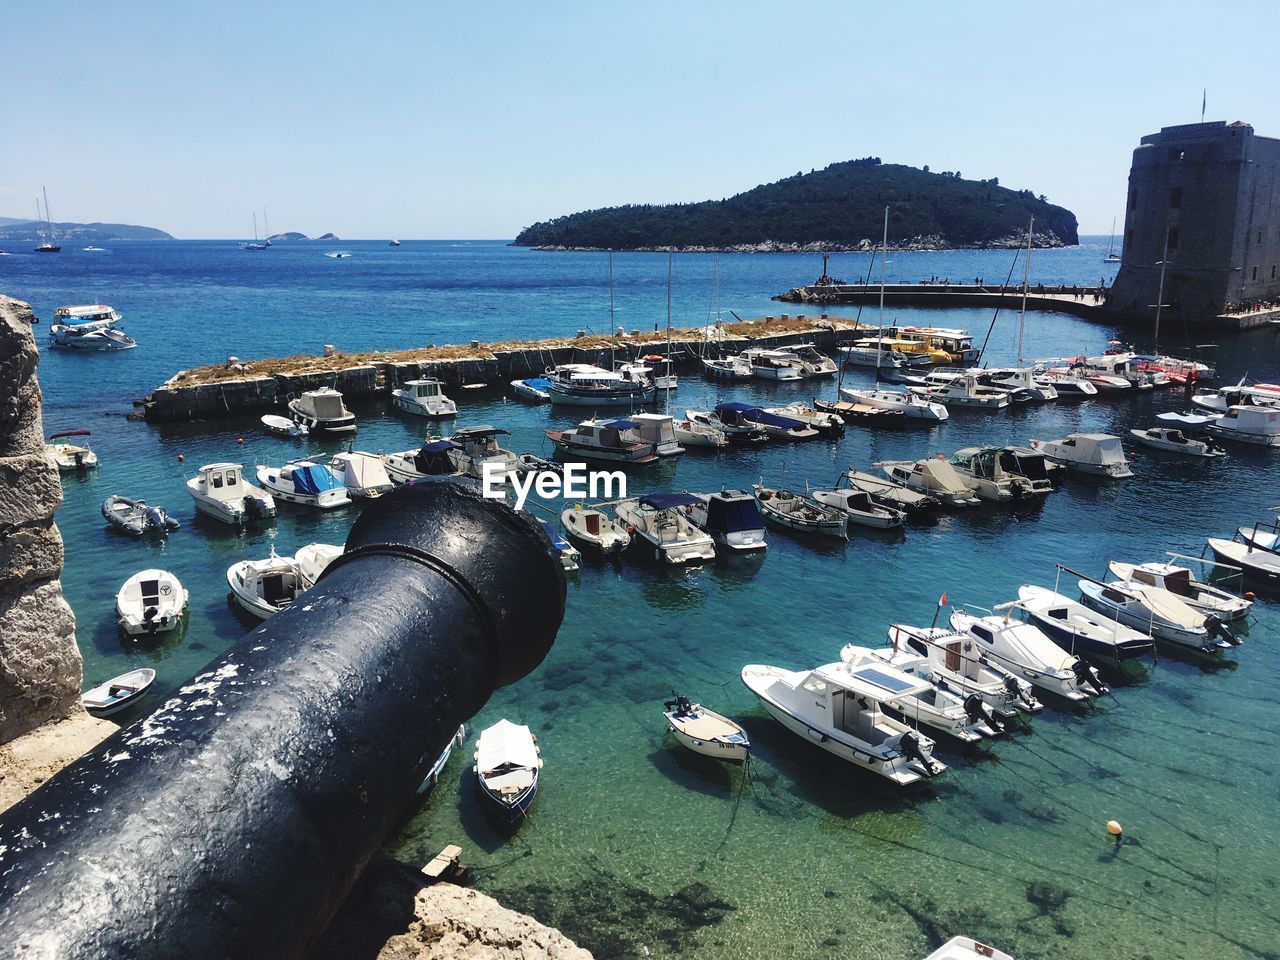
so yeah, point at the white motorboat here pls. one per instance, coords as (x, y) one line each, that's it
(424, 398)
(954, 662)
(998, 473)
(744, 415)
(88, 327)
(313, 560)
(135, 518)
(586, 385)
(432, 776)
(812, 361)
(507, 764)
(1182, 583)
(967, 948)
(86, 313)
(734, 428)
(800, 513)
(859, 509)
(838, 709)
(283, 426)
(1079, 630)
(659, 520)
(659, 430)
(874, 353)
(1021, 382)
(431, 460)
(363, 474)
(1097, 454)
(69, 456)
(594, 530)
(727, 368)
(692, 434)
(893, 495)
(912, 406)
(1172, 440)
(265, 587)
(1065, 384)
(221, 491)
(1257, 563)
(935, 477)
(768, 364)
(150, 602)
(706, 732)
(532, 388)
(570, 557)
(1158, 612)
(322, 411)
(305, 482)
(964, 391)
(1253, 424)
(731, 518)
(1222, 399)
(1261, 535)
(1023, 650)
(966, 719)
(863, 414)
(476, 450)
(118, 693)
(827, 424)
(612, 440)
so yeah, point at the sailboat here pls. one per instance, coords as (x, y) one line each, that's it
(47, 245)
(257, 244)
(1112, 256)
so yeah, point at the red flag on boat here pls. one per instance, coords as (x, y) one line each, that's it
(942, 600)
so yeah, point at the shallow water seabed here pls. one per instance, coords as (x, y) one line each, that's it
(634, 844)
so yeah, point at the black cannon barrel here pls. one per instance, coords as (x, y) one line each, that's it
(231, 822)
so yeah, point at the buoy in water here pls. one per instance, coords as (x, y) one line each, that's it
(240, 440)
(181, 458)
(1114, 828)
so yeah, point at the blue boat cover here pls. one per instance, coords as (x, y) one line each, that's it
(735, 405)
(733, 516)
(621, 425)
(664, 501)
(774, 420)
(313, 480)
(538, 383)
(435, 446)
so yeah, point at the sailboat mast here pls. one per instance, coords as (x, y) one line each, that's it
(1111, 247)
(1164, 261)
(667, 407)
(39, 220)
(48, 219)
(613, 326)
(255, 226)
(880, 337)
(1026, 279)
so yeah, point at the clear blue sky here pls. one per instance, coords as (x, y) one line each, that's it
(475, 119)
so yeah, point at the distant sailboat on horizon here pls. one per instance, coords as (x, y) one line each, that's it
(257, 244)
(1112, 256)
(47, 245)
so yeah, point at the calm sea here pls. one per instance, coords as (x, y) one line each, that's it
(635, 848)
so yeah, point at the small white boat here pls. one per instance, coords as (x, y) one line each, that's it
(1077, 629)
(432, 776)
(800, 513)
(1157, 612)
(476, 449)
(912, 406)
(659, 430)
(150, 602)
(692, 434)
(283, 426)
(859, 509)
(322, 411)
(431, 460)
(967, 948)
(265, 587)
(338, 255)
(893, 495)
(313, 560)
(532, 388)
(507, 764)
(1097, 454)
(69, 456)
(964, 391)
(812, 361)
(1065, 384)
(135, 518)
(393, 242)
(424, 398)
(1182, 583)
(954, 663)
(363, 474)
(221, 491)
(839, 711)
(731, 518)
(1257, 425)
(594, 530)
(1257, 563)
(734, 429)
(612, 440)
(996, 473)
(935, 477)
(827, 424)
(767, 364)
(1172, 440)
(305, 482)
(745, 415)
(118, 693)
(727, 368)
(659, 520)
(570, 558)
(706, 732)
(1025, 652)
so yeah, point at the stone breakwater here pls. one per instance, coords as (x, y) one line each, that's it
(264, 385)
(40, 666)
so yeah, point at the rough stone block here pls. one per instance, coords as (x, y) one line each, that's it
(32, 552)
(30, 490)
(40, 666)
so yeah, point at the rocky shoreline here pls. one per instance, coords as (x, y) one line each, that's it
(934, 244)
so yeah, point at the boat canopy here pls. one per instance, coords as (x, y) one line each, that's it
(756, 415)
(326, 404)
(481, 431)
(312, 479)
(69, 433)
(665, 501)
(620, 425)
(733, 512)
(538, 383)
(505, 745)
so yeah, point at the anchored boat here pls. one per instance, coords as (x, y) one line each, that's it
(614, 440)
(706, 732)
(800, 513)
(135, 518)
(305, 482)
(363, 474)
(1079, 630)
(322, 411)
(69, 456)
(507, 764)
(221, 491)
(955, 663)
(432, 460)
(660, 520)
(1025, 652)
(150, 602)
(935, 477)
(594, 530)
(424, 398)
(1097, 454)
(731, 518)
(118, 693)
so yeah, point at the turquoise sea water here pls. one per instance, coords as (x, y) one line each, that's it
(635, 847)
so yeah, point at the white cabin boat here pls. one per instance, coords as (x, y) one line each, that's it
(313, 560)
(1025, 652)
(476, 450)
(875, 353)
(800, 513)
(594, 529)
(1253, 424)
(1065, 384)
(659, 430)
(732, 519)
(70, 457)
(706, 732)
(507, 765)
(118, 693)
(424, 398)
(813, 362)
(827, 424)
(659, 520)
(265, 587)
(912, 406)
(221, 491)
(954, 662)
(532, 388)
(586, 385)
(1182, 583)
(838, 709)
(1158, 612)
(767, 364)
(612, 440)
(305, 482)
(859, 509)
(322, 411)
(1172, 440)
(1001, 474)
(727, 368)
(935, 477)
(88, 327)
(964, 391)
(1097, 454)
(363, 474)
(690, 433)
(150, 602)
(431, 460)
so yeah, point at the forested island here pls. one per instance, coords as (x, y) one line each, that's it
(34, 231)
(838, 208)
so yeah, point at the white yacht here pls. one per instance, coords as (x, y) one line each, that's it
(1173, 440)
(1098, 454)
(964, 391)
(727, 368)
(612, 440)
(424, 398)
(1222, 399)
(659, 430)
(1027, 653)
(991, 471)
(305, 482)
(935, 477)
(1021, 382)
(88, 327)
(1182, 583)
(586, 385)
(731, 518)
(838, 709)
(914, 407)
(954, 662)
(322, 411)
(150, 602)
(1254, 561)
(474, 447)
(1258, 425)
(221, 491)
(1064, 383)
(767, 364)
(265, 587)
(812, 361)
(363, 474)
(659, 520)
(431, 460)
(874, 353)
(70, 457)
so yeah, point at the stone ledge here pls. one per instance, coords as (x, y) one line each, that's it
(34, 757)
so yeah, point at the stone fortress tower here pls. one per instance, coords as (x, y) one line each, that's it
(1212, 190)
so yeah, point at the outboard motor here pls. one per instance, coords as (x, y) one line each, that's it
(1087, 676)
(1215, 629)
(909, 744)
(978, 712)
(1019, 692)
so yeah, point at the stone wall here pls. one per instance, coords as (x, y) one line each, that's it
(40, 668)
